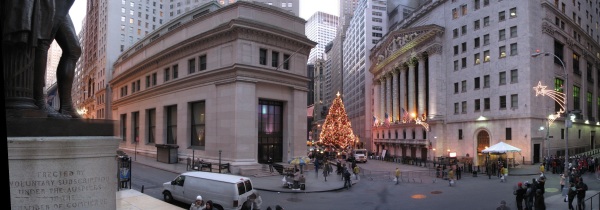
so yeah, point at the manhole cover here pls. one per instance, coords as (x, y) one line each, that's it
(294, 199)
(436, 192)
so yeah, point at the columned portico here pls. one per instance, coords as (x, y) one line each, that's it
(396, 112)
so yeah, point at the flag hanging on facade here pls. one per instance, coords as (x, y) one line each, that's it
(374, 121)
(387, 118)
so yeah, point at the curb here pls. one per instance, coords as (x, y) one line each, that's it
(300, 191)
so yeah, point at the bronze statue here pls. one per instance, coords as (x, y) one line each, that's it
(26, 37)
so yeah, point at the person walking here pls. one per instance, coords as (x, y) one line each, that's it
(562, 182)
(397, 174)
(529, 194)
(451, 177)
(505, 173)
(356, 171)
(542, 169)
(347, 179)
(458, 172)
(571, 195)
(326, 170)
(270, 162)
(581, 188)
(519, 193)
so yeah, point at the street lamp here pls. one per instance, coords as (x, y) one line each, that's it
(564, 103)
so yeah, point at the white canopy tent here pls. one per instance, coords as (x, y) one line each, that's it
(501, 148)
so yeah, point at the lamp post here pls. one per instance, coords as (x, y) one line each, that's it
(567, 119)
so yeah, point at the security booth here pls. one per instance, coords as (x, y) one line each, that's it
(124, 171)
(167, 153)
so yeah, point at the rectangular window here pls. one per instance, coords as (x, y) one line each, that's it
(559, 52)
(486, 39)
(456, 87)
(476, 4)
(501, 35)
(514, 49)
(198, 124)
(476, 83)
(464, 63)
(514, 101)
(191, 66)
(486, 3)
(151, 120)
(148, 81)
(508, 134)
(286, 61)
(502, 51)
(463, 29)
(502, 78)
(513, 32)
(589, 105)
(476, 58)
(477, 105)
(463, 86)
(455, 32)
(262, 56)
(464, 47)
(275, 59)
(154, 79)
(135, 124)
(124, 127)
(202, 61)
(464, 107)
(486, 81)
(486, 21)
(476, 25)
(460, 134)
(454, 13)
(576, 98)
(463, 9)
(486, 56)
(486, 104)
(455, 108)
(455, 49)
(167, 74)
(171, 124)
(576, 64)
(513, 12)
(501, 16)
(456, 65)
(502, 102)
(175, 71)
(476, 43)
(514, 76)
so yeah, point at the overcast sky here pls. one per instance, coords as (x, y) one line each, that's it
(307, 9)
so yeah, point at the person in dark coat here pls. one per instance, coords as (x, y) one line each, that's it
(529, 194)
(539, 200)
(520, 195)
(571, 195)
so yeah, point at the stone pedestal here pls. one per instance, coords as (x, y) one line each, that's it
(68, 172)
(61, 163)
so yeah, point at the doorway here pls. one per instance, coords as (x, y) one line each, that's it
(536, 153)
(270, 131)
(483, 142)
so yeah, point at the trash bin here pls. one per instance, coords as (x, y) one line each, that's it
(166, 153)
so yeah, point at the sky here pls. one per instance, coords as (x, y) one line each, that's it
(307, 9)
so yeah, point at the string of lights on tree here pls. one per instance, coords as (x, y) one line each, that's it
(337, 129)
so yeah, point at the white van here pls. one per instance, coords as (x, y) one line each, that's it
(360, 155)
(230, 191)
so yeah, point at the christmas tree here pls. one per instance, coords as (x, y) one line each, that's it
(337, 130)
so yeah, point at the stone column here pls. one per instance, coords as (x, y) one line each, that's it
(376, 102)
(388, 95)
(421, 97)
(436, 97)
(382, 98)
(411, 86)
(395, 108)
(402, 87)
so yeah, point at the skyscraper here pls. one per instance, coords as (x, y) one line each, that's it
(321, 28)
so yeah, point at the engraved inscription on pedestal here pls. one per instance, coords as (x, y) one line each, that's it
(47, 180)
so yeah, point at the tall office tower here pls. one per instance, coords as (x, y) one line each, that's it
(458, 76)
(334, 74)
(77, 93)
(110, 28)
(174, 8)
(320, 27)
(54, 54)
(366, 28)
(399, 10)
